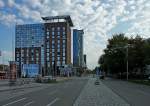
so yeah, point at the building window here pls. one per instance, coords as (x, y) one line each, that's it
(47, 29)
(63, 62)
(53, 50)
(53, 28)
(58, 50)
(58, 58)
(47, 58)
(53, 54)
(58, 41)
(64, 45)
(58, 46)
(58, 63)
(64, 54)
(37, 54)
(52, 62)
(17, 55)
(64, 50)
(48, 64)
(53, 36)
(32, 59)
(32, 51)
(53, 33)
(64, 41)
(58, 33)
(47, 37)
(58, 28)
(47, 54)
(37, 59)
(18, 59)
(53, 46)
(47, 50)
(47, 45)
(53, 41)
(64, 58)
(64, 32)
(53, 58)
(47, 33)
(58, 36)
(63, 28)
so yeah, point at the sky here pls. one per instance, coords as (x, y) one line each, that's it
(99, 19)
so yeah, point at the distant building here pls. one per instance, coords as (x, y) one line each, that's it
(78, 58)
(47, 44)
(4, 69)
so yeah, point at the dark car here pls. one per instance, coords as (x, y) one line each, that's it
(97, 82)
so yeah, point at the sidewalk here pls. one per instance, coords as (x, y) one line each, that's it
(98, 95)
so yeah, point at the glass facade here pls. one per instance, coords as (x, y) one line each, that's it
(45, 44)
(29, 44)
(78, 48)
(29, 35)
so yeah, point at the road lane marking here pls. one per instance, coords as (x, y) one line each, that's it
(14, 102)
(56, 99)
(29, 103)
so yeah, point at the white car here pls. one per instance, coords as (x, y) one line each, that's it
(149, 78)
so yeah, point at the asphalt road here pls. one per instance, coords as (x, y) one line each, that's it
(134, 94)
(59, 94)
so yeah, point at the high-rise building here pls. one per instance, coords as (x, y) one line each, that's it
(47, 44)
(78, 59)
(29, 45)
(57, 42)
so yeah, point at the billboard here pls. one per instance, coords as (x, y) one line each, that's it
(30, 70)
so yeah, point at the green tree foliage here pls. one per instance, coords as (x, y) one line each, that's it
(121, 49)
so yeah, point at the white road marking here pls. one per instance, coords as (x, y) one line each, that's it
(14, 102)
(29, 103)
(56, 99)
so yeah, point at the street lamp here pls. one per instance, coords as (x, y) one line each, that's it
(127, 63)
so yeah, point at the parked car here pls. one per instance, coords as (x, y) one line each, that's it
(97, 82)
(101, 76)
(149, 78)
(47, 79)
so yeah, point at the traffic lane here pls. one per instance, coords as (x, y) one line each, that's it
(69, 92)
(18, 92)
(134, 94)
(57, 94)
(34, 95)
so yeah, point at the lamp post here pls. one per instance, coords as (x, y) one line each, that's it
(127, 63)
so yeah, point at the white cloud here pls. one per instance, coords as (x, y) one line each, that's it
(11, 3)
(6, 57)
(1, 4)
(10, 19)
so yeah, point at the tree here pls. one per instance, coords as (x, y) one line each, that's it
(115, 57)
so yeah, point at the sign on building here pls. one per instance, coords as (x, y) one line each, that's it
(30, 70)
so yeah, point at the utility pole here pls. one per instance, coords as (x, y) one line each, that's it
(127, 63)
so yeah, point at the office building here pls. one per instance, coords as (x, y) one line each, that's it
(47, 44)
(78, 58)
(57, 42)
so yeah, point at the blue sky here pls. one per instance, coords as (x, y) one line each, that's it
(99, 19)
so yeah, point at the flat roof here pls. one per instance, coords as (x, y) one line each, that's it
(66, 17)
